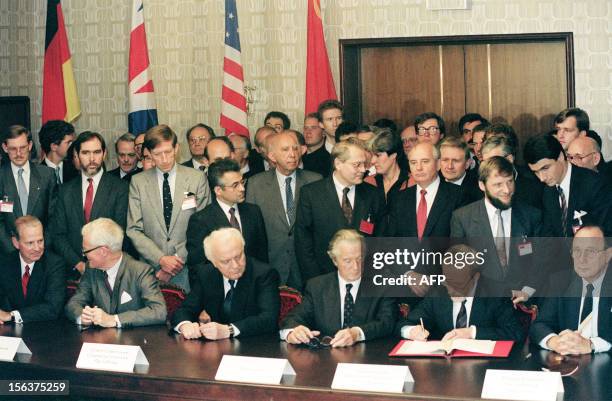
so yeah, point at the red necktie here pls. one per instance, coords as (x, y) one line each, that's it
(88, 201)
(25, 279)
(422, 214)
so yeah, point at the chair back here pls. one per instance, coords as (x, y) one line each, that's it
(174, 297)
(289, 299)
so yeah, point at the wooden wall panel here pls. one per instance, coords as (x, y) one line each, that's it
(476, 80)
(399, 82)
(453, 83)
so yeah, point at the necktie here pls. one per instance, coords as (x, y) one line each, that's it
(347, 209)
(107, 284)
(349, 302)
(233, 219)
(290, 202)
(461, 322)
(58, 176)
(25, 279)
(422, 214)
(500, 241)
(202, 168)
(22, 190)
(587, 307)
(167, 197)
(563, 202)
(227, 303)
(88, 200)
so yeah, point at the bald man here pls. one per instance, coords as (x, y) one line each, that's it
(584, 152)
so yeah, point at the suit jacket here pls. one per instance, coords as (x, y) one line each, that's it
(560, 313)
(320, 310)
(528, 189)
(255, 303)
(472, 222)
(68, 170)
(110, 201)
(145, 223)
(494, 317)
(319, 217)
(134, 278)
(402, 220)
(256, 164)
(212, 217)
(128, 177)
(264, 191)
(318, 161)
(42, 194)
(188, 163)
(46, 288)
(588, 193)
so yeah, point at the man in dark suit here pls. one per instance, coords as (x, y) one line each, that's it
(317, 158)
(573, 196)
(579, 319)
(527, 188)
(356, 318)
(29, 187)
(340, 201)
(242, 147)
(198, 137)
(116, 290)
(454, 157)
(277, 192)
(258, 161)
(32, 286)
(233, 295)
(227, 210)
(519, 261)
(466, 306)
(127, 158)
(55, 137)
(92, 195)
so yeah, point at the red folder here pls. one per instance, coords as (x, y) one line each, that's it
(502, 350)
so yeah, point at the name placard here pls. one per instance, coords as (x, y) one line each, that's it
(370, 377)
(112, 357)
(9, 346)
(522, 385)
(248, 369)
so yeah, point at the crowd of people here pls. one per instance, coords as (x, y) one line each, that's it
(237, 221)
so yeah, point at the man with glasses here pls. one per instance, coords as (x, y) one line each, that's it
(234, 295)
(92, 195)
(429, 127)
(25, 188)
(138, 141)
(228, 209)
(577, 320)
(355, 318)
(161, 202)
(198, 137)
(584, 152)
(116, 290)
(33, 283)
(342, 200)
(409, 138)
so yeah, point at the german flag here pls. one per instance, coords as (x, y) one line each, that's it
(60, 100)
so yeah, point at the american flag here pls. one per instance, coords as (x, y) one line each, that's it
(233, 100)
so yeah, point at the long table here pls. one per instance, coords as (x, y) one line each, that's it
(185, 369)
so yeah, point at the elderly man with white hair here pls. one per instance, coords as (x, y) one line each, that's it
(115, 290)
(233, 295)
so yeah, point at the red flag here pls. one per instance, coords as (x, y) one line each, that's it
(319, 80)
(60, 100)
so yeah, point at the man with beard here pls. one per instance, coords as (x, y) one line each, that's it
(92, 195)
(501, 223)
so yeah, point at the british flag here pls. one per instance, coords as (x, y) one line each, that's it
(142, 109)
(233, 100)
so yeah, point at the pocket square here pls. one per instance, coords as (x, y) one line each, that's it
(125, 298)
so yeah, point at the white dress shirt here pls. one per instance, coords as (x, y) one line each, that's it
(226, 210)
(459, 181)
(26, 176)
(55, 166)
(197, 164)
(493, 223)
(430, 196)
(565, 185)
(283, 190)
(171, 182)
(340, 191)
(23, 263)
(85, 184)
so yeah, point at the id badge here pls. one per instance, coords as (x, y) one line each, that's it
(525, 248)
(6, 206)
(366, 227)
(189, 202)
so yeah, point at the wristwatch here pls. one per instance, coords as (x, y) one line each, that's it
(231, 330)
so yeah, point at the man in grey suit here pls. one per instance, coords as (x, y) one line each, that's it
(116, 290)
(276, 193)
(161, 201)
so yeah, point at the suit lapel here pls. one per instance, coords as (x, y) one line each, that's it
(333, 300)
(155, 197)
(10, 189)
(241, 293)
(36, 279)
(101, 287)
(334, 205)
(360, 210)
(77, 199)
(118, 287)
(276, 197)
(15, 277)
(440, 203)
(101, 199)
(362, 307)
(34, 191)
(181, 183)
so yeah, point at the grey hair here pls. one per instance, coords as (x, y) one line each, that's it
(224, 234)
(104, 232)
(343, 235)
